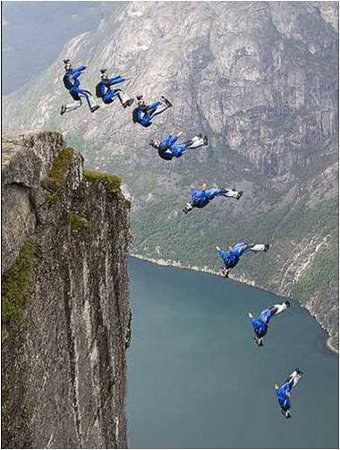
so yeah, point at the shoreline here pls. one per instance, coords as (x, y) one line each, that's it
(177, 264)
(330, 346)
(205, 269)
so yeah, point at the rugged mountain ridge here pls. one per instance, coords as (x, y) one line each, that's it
(65, 308)
(260, 79)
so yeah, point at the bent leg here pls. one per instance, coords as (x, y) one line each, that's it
(124, 99)
(73, 106)
(213, 192)
(294, 378)
(88, 98)
(159, 112)
(240, 248)
(279, 308)
(195, 142)
(151, 109)
(108, 97)
(230, 193)
(266, 315)
(154, 106)
(259, 247)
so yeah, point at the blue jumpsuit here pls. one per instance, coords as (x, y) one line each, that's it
(104, 91)
(72, 84)
(200, 198)
(145, 114)
(260, 324)
(231, 257)
(168, 149)
(283, 395)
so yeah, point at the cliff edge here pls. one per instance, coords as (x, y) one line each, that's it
(65, 309)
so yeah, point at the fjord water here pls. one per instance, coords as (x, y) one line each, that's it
(197, 380)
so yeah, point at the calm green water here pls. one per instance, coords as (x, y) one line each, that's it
(196, 379)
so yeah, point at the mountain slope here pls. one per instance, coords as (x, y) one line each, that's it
(260, 79)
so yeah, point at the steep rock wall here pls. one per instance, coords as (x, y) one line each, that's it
(65, 322)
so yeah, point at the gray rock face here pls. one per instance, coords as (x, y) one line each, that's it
(63, 350)
(26, 160)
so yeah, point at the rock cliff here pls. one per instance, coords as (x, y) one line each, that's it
(65, 308)
(261, 80)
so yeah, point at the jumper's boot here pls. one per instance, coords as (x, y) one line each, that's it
(94, 108)
(166, 101)
(188, 207)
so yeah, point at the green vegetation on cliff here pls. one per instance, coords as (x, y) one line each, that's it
(51, 199)
(77, 222)
(111, 181)
(59, 170)
(16, 283)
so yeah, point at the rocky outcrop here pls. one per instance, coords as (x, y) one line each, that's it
(65, 309)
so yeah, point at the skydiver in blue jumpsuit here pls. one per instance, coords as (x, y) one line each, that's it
(108, 95)
(201, 197)
(72, 84)
(144, 114)
(168, 148)
(232, 256)
(283, 393)
(261, 324)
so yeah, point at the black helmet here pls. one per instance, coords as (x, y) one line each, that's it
(67, 64)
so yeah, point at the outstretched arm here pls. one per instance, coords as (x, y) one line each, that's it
(77, 71)
(252, 320)
(221, 253)
(116, 79)
(219, 250)
(80, 68)
(172, 138)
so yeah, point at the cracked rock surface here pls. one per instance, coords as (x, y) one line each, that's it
(64, 346)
